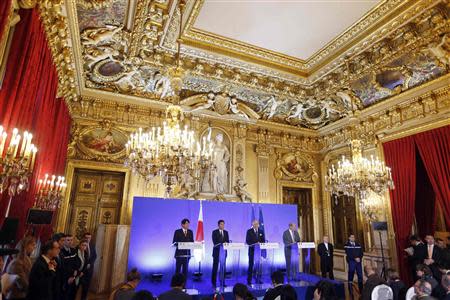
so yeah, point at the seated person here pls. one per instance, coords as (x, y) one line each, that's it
(241, 292)
(128, 289)
(280, 290)
(324, 290)
(176, 293)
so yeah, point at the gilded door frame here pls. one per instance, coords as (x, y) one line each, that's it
(125, 210)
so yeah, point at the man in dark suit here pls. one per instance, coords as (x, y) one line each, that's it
(373, 280)
(418, 255)
(290, 236)
(433, 257)
(183, 235)
(92, 256)
(422, 289)
(176, 293)
(354, 254)
(59, 284)
(43, 272)
(253, 237)
(219, 236)
(325, 251)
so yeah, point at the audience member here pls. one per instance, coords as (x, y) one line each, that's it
(324, 290)
(68, 249)
(433, 256)
(58, 290)
(424, 272)
(398, 287)
(176, 293)
(76, 268)
(42, 274)
(446, 286)
(418, 254)
(92, 257)
(128, 289)
(143, 295)
(277, 282)
(422, 289)
(21, 267)
(372, 281)
(241, 292)
(445, 253)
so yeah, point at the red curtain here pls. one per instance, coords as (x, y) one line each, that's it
(28, 102)
(400, 155)
(434, 148)
(425, 200)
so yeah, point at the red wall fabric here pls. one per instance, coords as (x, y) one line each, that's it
(400, 155)
(28, 102)
(434, 148)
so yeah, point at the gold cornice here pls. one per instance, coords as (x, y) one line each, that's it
(366, 25)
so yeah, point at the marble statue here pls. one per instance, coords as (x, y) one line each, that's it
(187, 186)
(94, 58)
(215, 178)
(326, 105)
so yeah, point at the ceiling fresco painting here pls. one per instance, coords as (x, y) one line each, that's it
(358, 68)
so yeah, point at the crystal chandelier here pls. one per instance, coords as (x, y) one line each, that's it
(17, 157)
(360, 176)
(170, 151)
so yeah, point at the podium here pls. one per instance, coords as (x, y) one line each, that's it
(258, 262)
(307, 246)
(293, 269)
(235, 249)
(190, 245)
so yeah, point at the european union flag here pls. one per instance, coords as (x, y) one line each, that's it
(261, 229)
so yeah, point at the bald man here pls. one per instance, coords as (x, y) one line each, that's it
(254, 236)
(290, 236)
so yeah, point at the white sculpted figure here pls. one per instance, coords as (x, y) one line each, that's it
(98, 36)
(298, 111)
(126, 81)
(241, 190)
(439, 51)
(270, 108)
(209, 103)
(326, 105)
(216, 178)
(159, 84)
(235, 109)
(94, 58)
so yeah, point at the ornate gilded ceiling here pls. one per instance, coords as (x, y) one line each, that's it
(125, 47)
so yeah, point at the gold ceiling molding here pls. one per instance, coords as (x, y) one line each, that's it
(409, 114)
(57, 30)
(363, 27)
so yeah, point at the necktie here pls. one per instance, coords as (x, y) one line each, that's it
(430, 251)
(89, 250)
(292, 236)
(221, 233)
(185, 232)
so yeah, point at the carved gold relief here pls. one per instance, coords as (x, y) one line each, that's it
(294, 166)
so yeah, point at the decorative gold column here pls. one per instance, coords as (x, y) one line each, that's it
(263, 153)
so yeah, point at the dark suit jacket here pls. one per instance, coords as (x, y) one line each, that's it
(353, 252)
(41, 281)
(179, 237)
(323, 252)
(174, 294)
(371, 282)
(273, 293)
(420, 253)
(217, 240)
(251, 238)
(92, 257)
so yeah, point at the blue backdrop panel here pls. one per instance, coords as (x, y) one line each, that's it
(154, 221)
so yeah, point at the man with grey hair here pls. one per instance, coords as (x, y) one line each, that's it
(290, 237)
(253, 237)
(422, 289)
(446, 285)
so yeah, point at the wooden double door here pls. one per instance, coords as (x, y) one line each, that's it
(96, 198)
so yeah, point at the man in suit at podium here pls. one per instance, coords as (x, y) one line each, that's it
(182, 235)
(325, 251)
(219, 236)
(254, 236)
(290, 236)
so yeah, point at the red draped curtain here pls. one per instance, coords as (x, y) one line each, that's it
(29, 101)
(434, 148)
(400, 155)
(421, 173)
